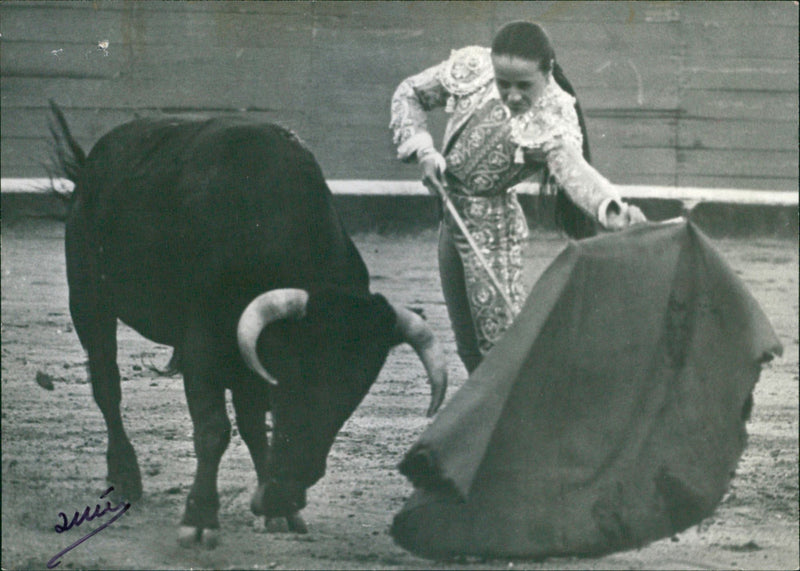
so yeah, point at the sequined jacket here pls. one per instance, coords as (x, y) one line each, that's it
(549, 132)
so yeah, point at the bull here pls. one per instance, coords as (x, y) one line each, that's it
(217, 237)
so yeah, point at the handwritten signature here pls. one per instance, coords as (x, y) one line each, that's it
(87, 515)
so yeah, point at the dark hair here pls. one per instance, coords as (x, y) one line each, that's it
(525, 40)
(571, 219)
(529, 41)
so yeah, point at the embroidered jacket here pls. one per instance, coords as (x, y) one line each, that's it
(549, 131)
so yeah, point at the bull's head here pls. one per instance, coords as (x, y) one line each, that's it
(323, 353)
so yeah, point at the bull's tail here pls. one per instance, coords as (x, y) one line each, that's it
(68, 156)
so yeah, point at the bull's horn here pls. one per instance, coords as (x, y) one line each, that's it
(266, 308)
(416, 333)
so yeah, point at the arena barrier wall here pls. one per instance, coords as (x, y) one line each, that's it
(387, 206)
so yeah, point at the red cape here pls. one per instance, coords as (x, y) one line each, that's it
(610, 415)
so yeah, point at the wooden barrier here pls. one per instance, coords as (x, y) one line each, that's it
(684, 94)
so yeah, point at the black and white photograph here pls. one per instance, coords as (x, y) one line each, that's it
(321, 284)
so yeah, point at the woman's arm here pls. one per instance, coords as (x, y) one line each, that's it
(553, 133)
(590, 190)
(586, 187)
(412, 100)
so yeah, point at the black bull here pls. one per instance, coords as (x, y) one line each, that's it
(218, 238)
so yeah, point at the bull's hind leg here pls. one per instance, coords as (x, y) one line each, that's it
(96, 325)
(98, 334)
(251, 408)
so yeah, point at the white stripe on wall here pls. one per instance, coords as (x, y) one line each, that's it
(688, 195)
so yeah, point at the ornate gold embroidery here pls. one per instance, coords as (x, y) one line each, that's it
(481, 158)
(467, 70)
(498, 226)
(481, 145)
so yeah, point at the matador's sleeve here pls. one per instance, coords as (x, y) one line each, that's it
(553, 129)
(585, 186)
(464, 73)
(412, 100)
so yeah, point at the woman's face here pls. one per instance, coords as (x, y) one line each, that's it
(520, 82)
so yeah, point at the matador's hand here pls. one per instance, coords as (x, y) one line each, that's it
(628, 215)
(433, 166)
(635, 215)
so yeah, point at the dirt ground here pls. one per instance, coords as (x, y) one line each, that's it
(53, 442)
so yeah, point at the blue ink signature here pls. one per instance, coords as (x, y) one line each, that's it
(87, 515)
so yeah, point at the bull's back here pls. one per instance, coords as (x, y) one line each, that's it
(181, 213)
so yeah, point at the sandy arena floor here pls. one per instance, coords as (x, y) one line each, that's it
(53, 442)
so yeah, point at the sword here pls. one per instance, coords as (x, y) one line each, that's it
(471, 241)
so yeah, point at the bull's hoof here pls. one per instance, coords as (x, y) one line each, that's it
(189, 536)
(276, 525)
(121, 494)
(125, 489)
(210, 538)
(296, 523)
(293, 523)
(257, 500)
(124, 474)
(127, 483)
(273, 499)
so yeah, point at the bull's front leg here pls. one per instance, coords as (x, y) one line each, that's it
(212, 433)
(251, 407)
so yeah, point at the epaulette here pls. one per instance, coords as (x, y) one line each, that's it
(467, 70)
